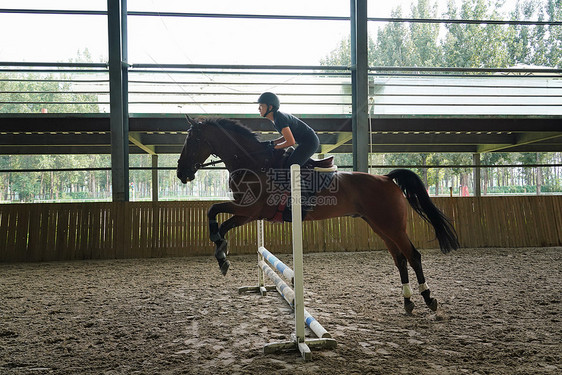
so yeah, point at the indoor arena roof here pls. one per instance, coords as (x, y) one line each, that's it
(165, 133)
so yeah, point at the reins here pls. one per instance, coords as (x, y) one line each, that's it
(211, 163)
(204, 165)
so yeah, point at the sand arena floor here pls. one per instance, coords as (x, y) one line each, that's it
(499, 313)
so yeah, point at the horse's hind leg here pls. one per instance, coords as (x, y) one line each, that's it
(416, 264)
(414, 258)
(402, 264)
(404, 252)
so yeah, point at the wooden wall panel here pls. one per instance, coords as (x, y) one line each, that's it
(68, 231)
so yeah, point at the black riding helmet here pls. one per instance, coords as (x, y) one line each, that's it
(270, 99)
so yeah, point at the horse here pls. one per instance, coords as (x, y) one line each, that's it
(380, 200)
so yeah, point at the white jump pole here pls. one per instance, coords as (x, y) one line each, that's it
(301, 315)
(295, 298)
(261, 288)
(297, 257)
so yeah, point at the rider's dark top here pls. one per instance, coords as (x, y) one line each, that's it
(301, 131)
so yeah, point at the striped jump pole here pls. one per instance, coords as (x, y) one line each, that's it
(294, 297)
(289, 296)
(282, 287)
(279, 265)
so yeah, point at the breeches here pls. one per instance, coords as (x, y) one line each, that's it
(304, 151)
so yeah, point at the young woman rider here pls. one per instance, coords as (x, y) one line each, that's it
(293, 130)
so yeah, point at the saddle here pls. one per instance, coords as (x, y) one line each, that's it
(319, 165)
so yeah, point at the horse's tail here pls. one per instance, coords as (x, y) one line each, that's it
(417, 196)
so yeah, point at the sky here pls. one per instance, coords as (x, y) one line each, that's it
(164, 40)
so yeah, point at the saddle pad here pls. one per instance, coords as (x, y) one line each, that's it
(312, 182)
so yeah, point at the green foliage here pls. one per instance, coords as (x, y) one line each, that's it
(34, 92)
(341, 55)
(393, 46)
(536, 45)
(424, 37)
(465, 45)
(469, 45)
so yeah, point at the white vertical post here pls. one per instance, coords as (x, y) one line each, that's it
(297, 251)
(293, 297)
(261, 241)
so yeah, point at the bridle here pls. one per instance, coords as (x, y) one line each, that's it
(198, 166)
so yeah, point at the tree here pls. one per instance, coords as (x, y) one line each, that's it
(536, 45)
(424, 37)
(393, 46)
(341, 55)
(553, 10)
(493, 158)
(519, 46)
(30, 93)
(474, 46)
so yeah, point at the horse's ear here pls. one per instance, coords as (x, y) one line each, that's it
(190, 121)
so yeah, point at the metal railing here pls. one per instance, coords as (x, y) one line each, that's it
(170, 188)
(306, 90)
(309, 89)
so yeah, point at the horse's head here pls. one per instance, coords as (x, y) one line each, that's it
(235, 144)
(196, 150)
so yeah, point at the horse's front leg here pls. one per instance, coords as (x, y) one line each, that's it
(217, 233)
(222, 250)
(221, 244)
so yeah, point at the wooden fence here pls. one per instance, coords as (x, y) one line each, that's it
(66, 231)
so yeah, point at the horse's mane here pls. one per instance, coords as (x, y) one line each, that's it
(232, 125)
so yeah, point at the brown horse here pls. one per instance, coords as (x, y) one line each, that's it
(379, 200)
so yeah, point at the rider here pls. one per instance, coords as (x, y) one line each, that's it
(293, 130)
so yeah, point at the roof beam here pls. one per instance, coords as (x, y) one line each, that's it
(398, 149)
(135, 139)
(523, 139)
(342, 139)
(27, 140)
(441, 138)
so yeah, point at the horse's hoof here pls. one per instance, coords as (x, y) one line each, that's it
(224, 267)
(432, 304)
(409, 306)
